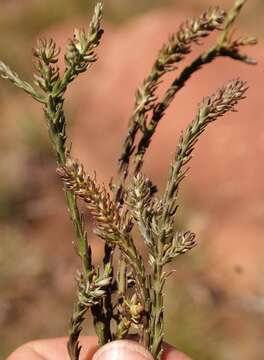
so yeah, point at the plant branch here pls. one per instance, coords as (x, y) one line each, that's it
(174, 51)
(7, 73)
(112, 226)
(224, 46)
(209, 110)
(79, 57)
(168, 244)
(177, 47)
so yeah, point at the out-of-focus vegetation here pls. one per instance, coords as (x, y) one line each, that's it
(36, 279)
(21, 21)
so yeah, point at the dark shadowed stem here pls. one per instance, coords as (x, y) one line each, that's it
(75, 329)
(107, 301)
(102, 330)
(169, 96)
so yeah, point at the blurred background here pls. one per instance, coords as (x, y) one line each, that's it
(215, 301)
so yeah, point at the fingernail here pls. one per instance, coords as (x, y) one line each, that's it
(122, 349)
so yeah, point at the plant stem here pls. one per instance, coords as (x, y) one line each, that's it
(157, 312)
(230, 19)
(57, 132)
(107, 301)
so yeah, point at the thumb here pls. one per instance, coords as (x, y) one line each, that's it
(122, 349)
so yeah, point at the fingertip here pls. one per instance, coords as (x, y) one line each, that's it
(25, 352)
(54, 349)
(170, 353)
(122, 349)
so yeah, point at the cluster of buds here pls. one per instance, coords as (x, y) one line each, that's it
(192, 30)
(47, 74)
(80, 53)
(92, 288)
(131, 313)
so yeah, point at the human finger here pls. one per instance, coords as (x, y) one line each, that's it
(54, 349)
(131, 350)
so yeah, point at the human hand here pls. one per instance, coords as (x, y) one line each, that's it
(55, 349)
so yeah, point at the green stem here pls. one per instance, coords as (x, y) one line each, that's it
(57, 132)
(157, 312)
